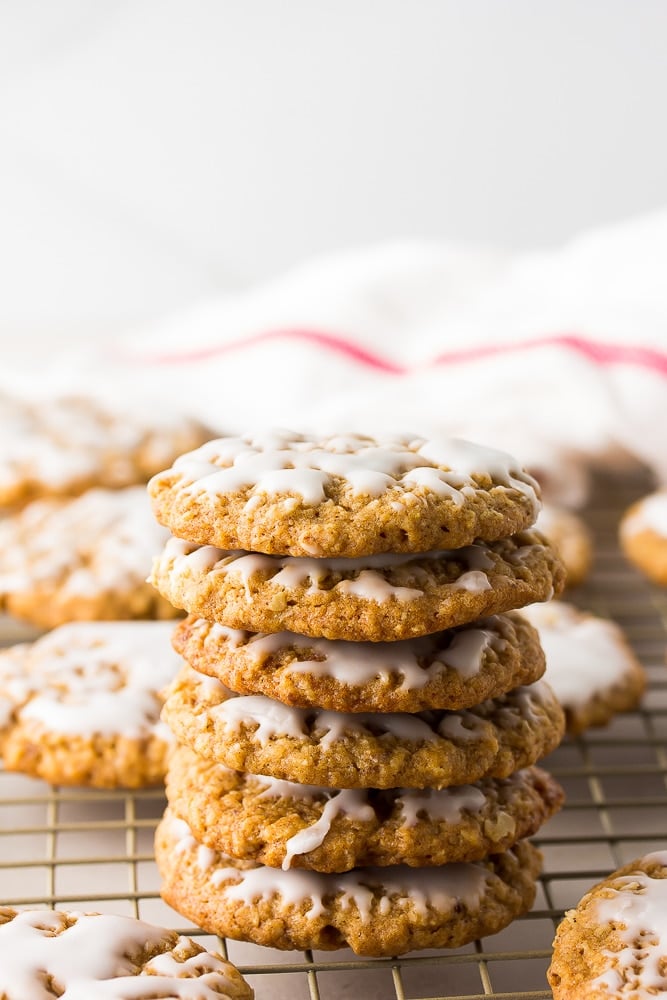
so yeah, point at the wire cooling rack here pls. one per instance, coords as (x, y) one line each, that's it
(76, 849)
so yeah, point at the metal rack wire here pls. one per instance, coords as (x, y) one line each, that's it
(86, 850)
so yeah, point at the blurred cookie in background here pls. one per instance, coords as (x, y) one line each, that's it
(81, 559)
(590, 666)
(61, 446)
(81, 705)
(643, 536)
(571, 538)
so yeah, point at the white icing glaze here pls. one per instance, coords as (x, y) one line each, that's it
(291, 572)
(90, 678)
(283, 462)
(446, 804)
(585, 655)
(101, 541)
(349, 801)
(470, 459)
(421, 889)
(461, 727)
(357, 663)
(642, 907)
(273, 719)
(473, 581)
(370, 586)
(94, 958)
(649, 515)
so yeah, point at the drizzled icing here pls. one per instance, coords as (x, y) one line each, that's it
(349, 801)
(650, 514)
(585, 655)
(415, 661)
(90, 678)
(439, 804)
(95, 956)
(273, 720)
(284, 462)
(641, 904)
(446, 804)
(290, 572)
(420, 889)
(101, 541)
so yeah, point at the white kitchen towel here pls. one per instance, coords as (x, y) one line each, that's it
(559, 356)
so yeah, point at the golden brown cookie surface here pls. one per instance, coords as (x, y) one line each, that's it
(48, 953)
(613, 945)
(81, 705)
(363, 750)
(283, 824)
(452, 669)
(81, 559)
(385, 911)
(375, 598)
(284, 494)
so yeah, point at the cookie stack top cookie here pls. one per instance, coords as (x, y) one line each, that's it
(284, 494)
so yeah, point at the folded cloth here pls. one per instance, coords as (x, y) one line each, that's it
(559, 356)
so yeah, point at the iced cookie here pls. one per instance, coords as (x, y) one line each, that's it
(643, 536)
(613, 945)
(86, 558)
(82, 704)
(375, 911)
(363, 750)
(374, 598)
(571, 538)
(283, 824)
(62, 446)
(590, 666)
(453, 669)
(284, 494)
(94, 956)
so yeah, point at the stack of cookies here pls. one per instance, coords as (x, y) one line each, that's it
(361, 710)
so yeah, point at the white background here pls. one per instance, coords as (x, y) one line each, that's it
(152, 151)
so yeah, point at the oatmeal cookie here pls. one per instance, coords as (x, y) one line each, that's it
(363, 750)
(285, 494)
(81, 705)
(284, 824)
(374, 911)
(375, 598)
(81, 559)
(453, 669)
(62, 446)
(52, 953)
(613, 945)
(590, 666)
(643, 536)
(571, 538)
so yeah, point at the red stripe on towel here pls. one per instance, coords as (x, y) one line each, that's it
(598, 352)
